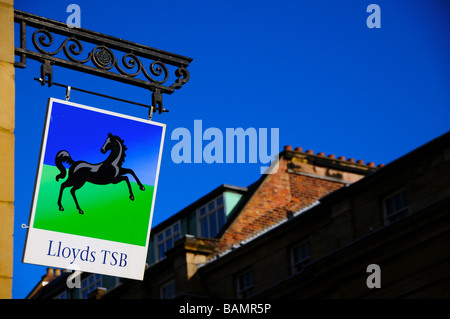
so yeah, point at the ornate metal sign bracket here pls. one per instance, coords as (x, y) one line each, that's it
(54, 43)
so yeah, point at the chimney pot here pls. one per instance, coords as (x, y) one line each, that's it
(321, 154)
(332, 156)
(299, 149)
(351, 160)
(371, 164)
(341, 158)
(49, 271)
(309, 152)
(288, 148)
(380, 165)
(360, 162)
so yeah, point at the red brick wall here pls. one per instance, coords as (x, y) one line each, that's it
(277, 195)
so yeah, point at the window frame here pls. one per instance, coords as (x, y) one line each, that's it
(165, 285)
(62, 295)
(248, 290)
(210, 218)
(399, 213)
(97, 282)
(297, 266)
(174, 236)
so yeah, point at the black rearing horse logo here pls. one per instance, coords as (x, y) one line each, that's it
(106, 172)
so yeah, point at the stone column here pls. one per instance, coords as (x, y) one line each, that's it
(7, 99)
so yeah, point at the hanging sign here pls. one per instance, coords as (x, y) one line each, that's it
(95, 191)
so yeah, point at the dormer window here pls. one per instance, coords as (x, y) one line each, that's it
(166, 238)
(211, 217)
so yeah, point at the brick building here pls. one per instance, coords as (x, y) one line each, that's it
(309, 231)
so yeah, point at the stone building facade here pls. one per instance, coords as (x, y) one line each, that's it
(315, 229)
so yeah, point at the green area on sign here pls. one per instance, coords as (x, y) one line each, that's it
(108, 211)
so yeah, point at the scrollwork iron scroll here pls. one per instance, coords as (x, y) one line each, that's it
(109, 57)
(104, 58)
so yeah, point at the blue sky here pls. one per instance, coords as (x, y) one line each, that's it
(313, 69)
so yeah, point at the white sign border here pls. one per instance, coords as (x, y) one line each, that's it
(40, 244)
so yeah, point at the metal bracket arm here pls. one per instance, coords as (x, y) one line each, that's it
(46, 73)
(54, 43)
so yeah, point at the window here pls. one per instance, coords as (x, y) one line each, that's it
(245, 284)
(166, 239)
(211, 217)
(395, 207)
(89, 284)
(300, 256)
(62, 295)
(167, 291)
